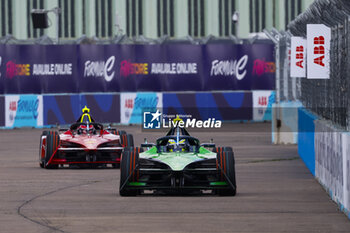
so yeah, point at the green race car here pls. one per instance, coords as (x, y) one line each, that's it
(177, 163)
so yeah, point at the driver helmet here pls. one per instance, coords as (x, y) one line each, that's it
(172, 146)
(83, 129)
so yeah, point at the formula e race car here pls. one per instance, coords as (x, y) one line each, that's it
(177, 164)
(85, 143)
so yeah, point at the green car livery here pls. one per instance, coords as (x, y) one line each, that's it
(177, 163)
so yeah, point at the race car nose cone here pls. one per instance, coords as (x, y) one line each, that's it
(91, 143)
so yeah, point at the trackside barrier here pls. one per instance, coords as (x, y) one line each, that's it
(46, 110)
(23, 111)
(225, 106)
(326, 152)
(65, 109)
(323, 142)
(332, 162)
(346, 172)
(285, 122)
(306, 138)
(127, 108)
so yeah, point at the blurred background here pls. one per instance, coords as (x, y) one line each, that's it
(150, 18)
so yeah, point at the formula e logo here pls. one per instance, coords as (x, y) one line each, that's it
(100, 69)
(151, 120)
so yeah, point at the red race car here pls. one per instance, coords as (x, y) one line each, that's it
(84, 143)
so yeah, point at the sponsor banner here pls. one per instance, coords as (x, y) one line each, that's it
(298, 57)
(329, 159)
(262, 105)
(39, 69)
(318, 51)
(187, 68)
(239, 67)
(97, 68)
(2, 111)
(23, 111)
(133, 68)
(202, 106)
(63, 109)
(133, 105)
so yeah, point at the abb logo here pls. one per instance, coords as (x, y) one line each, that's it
(262, 101)
(299, 56)
(13, 106)
(319, 50)
(129, 103)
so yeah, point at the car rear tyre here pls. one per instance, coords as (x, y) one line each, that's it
(128, 171)
(226, 166)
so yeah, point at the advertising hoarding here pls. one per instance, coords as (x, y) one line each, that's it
(45, 69)
(132, 106)
(262, 105)
(23, 110)
(298, 57)
(318, 51)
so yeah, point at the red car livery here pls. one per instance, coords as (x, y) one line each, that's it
(83, 143)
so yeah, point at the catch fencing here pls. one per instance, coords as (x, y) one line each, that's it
(328, 98)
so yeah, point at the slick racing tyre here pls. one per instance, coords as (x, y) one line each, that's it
(113, 131)
(42, 146)
(129, 171)
(130, 140)
(52, 142)
(225, 163)
(127, 140)
(120, 132)
(122, 135)
(216, 149)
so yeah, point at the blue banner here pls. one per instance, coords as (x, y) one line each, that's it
(221, 106)
(63, 109)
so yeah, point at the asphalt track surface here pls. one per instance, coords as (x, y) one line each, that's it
(276, 192)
